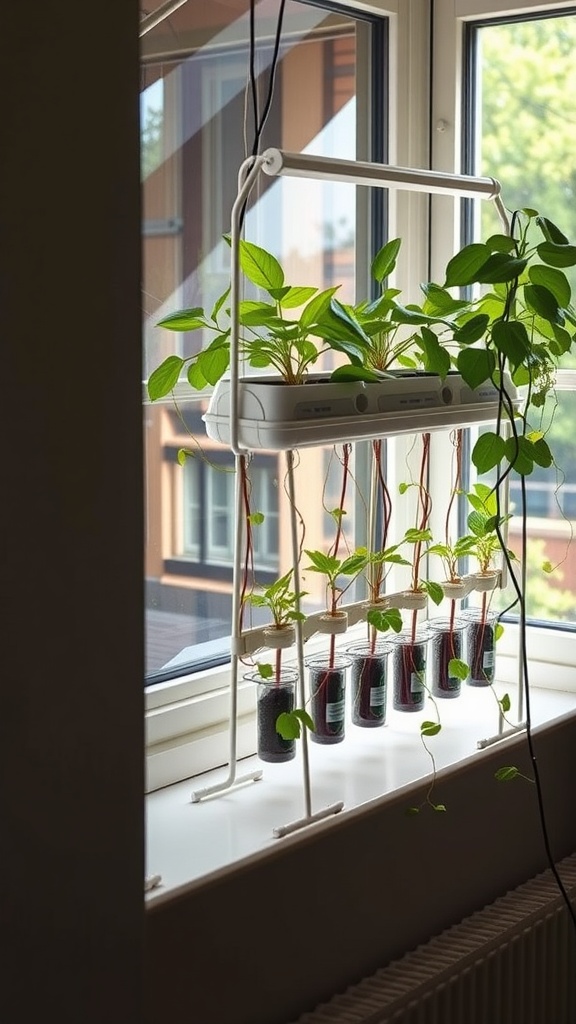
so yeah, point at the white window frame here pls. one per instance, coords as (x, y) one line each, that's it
(187, 718)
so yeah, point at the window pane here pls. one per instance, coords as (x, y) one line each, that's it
(523, 80)
(198, 124)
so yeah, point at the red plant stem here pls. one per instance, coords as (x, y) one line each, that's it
(478, 667)
(386, 504)
(347, 448)
(424, 508)
(457, 479)
(451, 627)
(278, 665)
(249, 550)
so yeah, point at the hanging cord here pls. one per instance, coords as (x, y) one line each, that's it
(260, 120)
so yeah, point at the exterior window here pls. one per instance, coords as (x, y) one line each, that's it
(198, 124)
(521, 78)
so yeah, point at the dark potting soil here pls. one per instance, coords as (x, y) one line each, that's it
(443, 647)
(327, 705)
(481, 653)
(408, 671)
(368, 676)
(273, 702)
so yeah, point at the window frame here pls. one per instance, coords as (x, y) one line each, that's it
(187, 717)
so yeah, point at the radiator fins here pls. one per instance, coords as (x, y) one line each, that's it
(514, 962)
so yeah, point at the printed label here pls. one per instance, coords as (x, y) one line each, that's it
(416, 684)
(488, 659)
(377, 696)
(335, 712)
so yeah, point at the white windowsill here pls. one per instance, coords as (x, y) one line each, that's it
(187, 842)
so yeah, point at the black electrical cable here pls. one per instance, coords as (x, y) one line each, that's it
(505, 400)
(260, 120)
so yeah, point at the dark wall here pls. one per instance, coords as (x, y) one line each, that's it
(264, 943)
(71, 718)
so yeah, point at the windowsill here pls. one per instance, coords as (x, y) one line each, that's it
(187, 842)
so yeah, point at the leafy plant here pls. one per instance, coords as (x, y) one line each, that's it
(273, 334)
(522, 326)
(289, 724)
(405, 336)
(451, 553)
(333, 569)
(485, 525)
(281, 601)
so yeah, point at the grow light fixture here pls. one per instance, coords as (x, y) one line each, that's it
(324, 168)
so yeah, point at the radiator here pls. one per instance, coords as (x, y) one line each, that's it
(514, 962)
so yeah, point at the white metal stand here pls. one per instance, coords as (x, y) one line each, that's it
(276, 162)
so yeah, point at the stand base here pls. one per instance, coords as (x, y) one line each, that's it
(223, 787)
(482, 744)
(293, 826)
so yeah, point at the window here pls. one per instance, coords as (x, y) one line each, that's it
(518, 100)
(198, 124)
(347, 84)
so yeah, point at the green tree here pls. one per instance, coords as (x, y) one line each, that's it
(528, 118)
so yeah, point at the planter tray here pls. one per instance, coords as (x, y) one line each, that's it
(278, 416)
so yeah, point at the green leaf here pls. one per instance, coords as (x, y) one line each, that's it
(341, 327)
(413, 535)
(385, 619)
(219, 303)
(196, 378)
(472, 330)
(436, 357)
(476, 365)
(256, 518)
(498, 631)
(347, 372)
(511, 338)
(295, 297)
(213, 363)
(412, 811)
(501, 243)
(500, 268)
(557, 255)
(504, 703)
(438, 807)
(506, 774)
(352, 565)
(520, 455)
(458, 669)
(260, 266)
(434, 591)
(440, 301)
(326, 564)
(184, 320)
(385, 260)
(265, 670)
(164, 378)
(542, 302)
(553, 280)
(288, 726)
(551, 232)
(317, 306)
(183, 454)
(258, 314)
(464, 266)
(488, 451)
(430, 728)
(304, 717)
